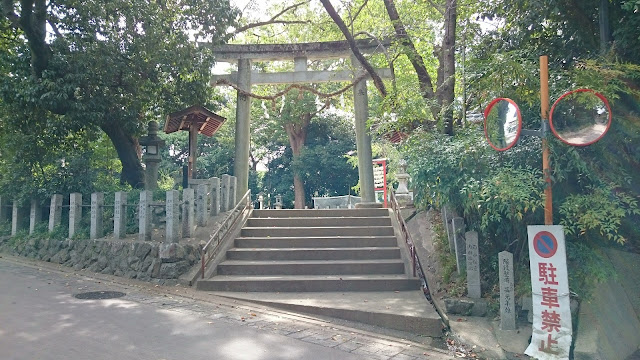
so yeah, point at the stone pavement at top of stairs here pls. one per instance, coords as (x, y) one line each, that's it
(189, 301)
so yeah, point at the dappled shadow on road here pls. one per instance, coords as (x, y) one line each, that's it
(41, 319)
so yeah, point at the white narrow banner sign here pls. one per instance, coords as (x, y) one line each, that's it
(551, 336)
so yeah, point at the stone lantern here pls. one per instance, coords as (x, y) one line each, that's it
(261, 200)
(278, 203)
(152, 144)
(402, 193)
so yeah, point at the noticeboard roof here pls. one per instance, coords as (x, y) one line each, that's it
(206, 121)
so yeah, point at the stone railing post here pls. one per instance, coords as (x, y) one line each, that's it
(119, 215)
(201, 204)
(145, 215)
(215, 196)
(188, 200)
(97, 205)
(75, 213)
(55, 211)
(173, 217)
(224, 190)
(35, 215)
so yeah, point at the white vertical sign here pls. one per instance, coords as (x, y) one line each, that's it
(551, 336)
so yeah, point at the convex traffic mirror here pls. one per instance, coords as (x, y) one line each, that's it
(502, 123)
(580, 117)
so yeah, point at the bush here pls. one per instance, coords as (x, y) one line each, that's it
(499, 194)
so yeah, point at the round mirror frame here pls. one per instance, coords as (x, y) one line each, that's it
(604, 100)
(488, 109)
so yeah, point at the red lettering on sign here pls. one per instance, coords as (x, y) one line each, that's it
(547, 273)
(550, 297)
(549, 345)
(550, 321)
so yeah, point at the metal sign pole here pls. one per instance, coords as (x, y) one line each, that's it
(544, 113)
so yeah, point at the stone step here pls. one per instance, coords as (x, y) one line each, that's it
(317, 231)
(311, 267)
(400, 310)
(309, 283)
(330, 253)
(316, 242)
(284, 213)
(323, 221)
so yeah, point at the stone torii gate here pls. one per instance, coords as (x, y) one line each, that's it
(244, 78)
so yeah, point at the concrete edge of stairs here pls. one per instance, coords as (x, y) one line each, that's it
(407, 311)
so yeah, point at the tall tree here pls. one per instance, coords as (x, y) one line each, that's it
(440, 98)
(112, 66)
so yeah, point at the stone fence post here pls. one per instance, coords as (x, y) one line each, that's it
(225, 193)
(145, 215)
(188, 200)
(75, 213)
(173, 216)
(15, 218)
(120, 215)
(97, 207)
(35, 215)
(215, 196)
(55, 211)
(233, 198)
(201, 204)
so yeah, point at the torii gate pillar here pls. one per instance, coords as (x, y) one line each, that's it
(363, 140)
(244, 78)
(243, 128)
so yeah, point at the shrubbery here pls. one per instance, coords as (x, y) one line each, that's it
(499, 194)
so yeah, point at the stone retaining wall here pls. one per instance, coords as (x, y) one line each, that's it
(143, 260)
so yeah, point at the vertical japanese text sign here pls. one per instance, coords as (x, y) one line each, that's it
(380, 177)
(551, 336)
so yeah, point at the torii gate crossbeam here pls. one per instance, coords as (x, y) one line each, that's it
(300, 53)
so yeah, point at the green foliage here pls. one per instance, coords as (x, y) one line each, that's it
(588, 266)
(446, 258)
(599, 210)
(323, 164)
(104, 67)
(499, 194)
(5, 228)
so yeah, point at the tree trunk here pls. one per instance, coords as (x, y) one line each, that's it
(409, 49)
(445, 83)
(127, 147)
(377, 81)
(297, 136)
(298, 190)
(605, 31)
(448, 64)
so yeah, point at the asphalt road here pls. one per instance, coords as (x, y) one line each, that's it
(40, 318)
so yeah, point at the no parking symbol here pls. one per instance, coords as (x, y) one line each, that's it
(545, 244)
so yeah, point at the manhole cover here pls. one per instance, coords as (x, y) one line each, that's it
(99, 295)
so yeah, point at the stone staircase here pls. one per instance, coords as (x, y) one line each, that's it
(343, 263)
(314, 250)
